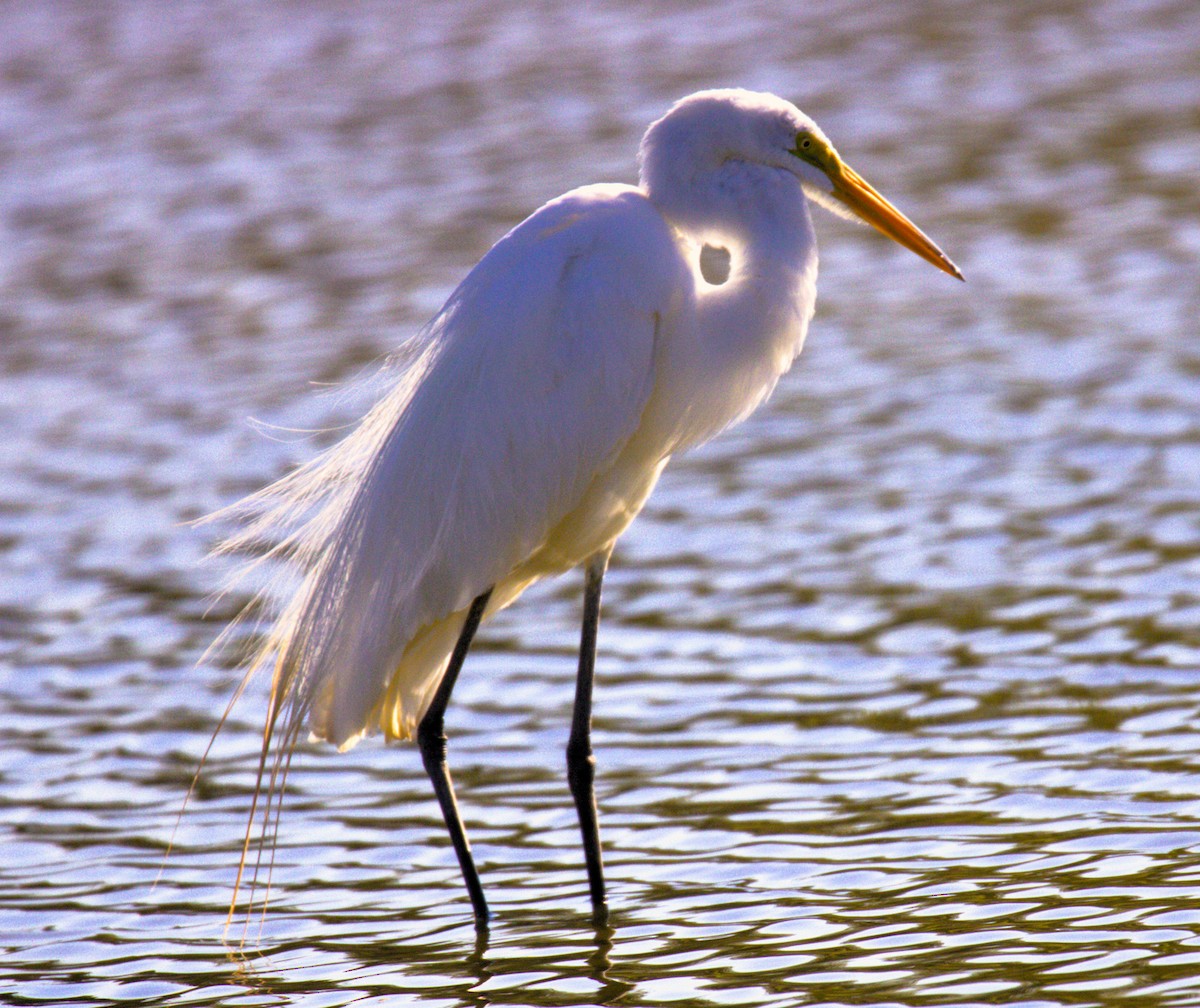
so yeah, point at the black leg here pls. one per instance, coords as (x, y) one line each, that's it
(581, 764)
(431, 737)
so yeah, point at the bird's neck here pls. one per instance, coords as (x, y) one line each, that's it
(761, 215)
(762, 310)
(750, 328)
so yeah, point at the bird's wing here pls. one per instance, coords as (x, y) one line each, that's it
(537, 373)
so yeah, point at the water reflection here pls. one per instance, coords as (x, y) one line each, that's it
(897, 697)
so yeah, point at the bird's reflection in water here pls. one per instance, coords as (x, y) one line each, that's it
(590, 957)
(600, 965)
(478, 966)
(475, 970)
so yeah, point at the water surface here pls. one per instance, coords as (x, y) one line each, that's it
(898, 695)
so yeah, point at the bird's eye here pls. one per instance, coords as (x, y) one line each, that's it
(806, 148)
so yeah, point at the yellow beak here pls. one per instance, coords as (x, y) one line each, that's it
(861, 197)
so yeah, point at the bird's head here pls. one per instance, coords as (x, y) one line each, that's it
(705, 130)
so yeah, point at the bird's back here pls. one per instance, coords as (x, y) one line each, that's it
(534, 376)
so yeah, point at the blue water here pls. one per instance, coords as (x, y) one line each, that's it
(898, 688)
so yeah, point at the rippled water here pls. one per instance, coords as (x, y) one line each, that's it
(898, 693)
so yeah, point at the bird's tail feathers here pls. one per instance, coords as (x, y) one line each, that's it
(304, 519)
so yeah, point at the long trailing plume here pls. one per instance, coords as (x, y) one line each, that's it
(305, 518)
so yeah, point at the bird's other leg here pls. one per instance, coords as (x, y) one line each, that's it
(431, 737)
(581, 764)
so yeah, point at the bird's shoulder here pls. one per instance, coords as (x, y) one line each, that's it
(607, 234)
(591, 212)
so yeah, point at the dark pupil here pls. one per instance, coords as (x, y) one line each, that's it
(805, 144)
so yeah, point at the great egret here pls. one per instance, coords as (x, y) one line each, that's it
(532, 421)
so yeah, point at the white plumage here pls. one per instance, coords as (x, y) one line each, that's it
(542, 402)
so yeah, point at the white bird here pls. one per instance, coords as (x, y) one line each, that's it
(532, 421)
